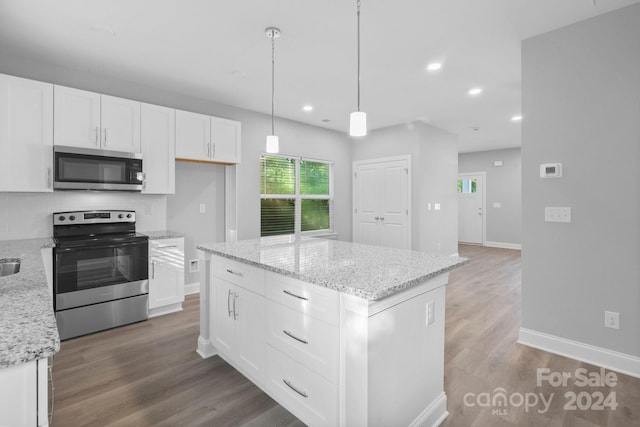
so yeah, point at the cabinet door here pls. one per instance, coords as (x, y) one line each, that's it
(223, 324)
(19, 395)
(158, 132)
(250, 313)
(120, 124)
(76, 115)
(166, 272)
(193, 136)
(26, 135)
(225, 137)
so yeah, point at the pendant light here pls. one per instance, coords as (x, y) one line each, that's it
(358, 119)
(273, 145)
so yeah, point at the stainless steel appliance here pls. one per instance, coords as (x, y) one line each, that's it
(91, 169)
(100, 271)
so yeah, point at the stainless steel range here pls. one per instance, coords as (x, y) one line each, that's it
(100, 271)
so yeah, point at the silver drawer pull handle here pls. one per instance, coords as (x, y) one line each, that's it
(167, 246)
(234, 272)
(294, 337)
(292, 387)
(295, 296)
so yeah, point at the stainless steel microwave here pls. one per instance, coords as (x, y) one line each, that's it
(78, 168)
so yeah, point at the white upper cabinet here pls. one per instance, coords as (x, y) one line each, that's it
(209, 139)
(158, 131)
(26, 135)
(90, 120)
(120, 124)
(193, 136)
(225, 137)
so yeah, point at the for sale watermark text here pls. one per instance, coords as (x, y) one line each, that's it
(596, 398)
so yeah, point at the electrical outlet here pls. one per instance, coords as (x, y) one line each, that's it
(557, 214)
(430, 313)
(194, 266)
(203, 208)
(612, 319)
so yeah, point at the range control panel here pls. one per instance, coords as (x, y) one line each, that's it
(93, 217)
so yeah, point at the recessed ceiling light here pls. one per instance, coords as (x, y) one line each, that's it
(516, 118)
(475, 91)
(434, 66)
(308, 108)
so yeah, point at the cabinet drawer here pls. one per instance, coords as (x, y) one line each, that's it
(310, 341)
(238, 273)
(175, 245)
(312, 300)
(307, 395)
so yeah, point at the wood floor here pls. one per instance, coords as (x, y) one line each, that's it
(148, 374)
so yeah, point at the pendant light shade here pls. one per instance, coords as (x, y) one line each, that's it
(273, 143)
(358, 119)
(358, 123)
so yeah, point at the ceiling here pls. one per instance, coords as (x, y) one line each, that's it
(218, 50)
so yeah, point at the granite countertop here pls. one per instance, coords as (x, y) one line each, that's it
(370, 272)
(28, 329)
(162, 234)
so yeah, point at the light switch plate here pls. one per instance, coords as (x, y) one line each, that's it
(552, 214)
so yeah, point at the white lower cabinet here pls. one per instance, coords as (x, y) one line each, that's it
(330, 358)
(24, 395)
(238, 316)
(166, 275)
(306, 394)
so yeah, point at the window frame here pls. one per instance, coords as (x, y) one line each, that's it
(297, 197)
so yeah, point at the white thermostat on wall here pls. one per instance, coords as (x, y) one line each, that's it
(551, 170)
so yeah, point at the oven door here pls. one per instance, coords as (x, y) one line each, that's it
(100, 272)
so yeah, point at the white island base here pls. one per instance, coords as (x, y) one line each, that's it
(329, 357)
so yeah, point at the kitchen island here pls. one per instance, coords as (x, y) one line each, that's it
(338, 333)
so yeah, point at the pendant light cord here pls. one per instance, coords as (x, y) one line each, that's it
(358, 14)
(273, 80)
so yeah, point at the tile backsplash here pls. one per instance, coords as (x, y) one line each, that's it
(28, 215)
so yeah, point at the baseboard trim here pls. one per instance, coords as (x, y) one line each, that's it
(434, 414)
(205, 349)
(609, 359)
(192, 288)
(502, 245)
(161, 311)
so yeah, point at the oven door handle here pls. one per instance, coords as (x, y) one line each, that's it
(89, 247)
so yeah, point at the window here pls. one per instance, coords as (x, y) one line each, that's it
(467, 185)
(296, 195)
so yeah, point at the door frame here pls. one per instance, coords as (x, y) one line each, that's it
(357, 163)
(484, 203)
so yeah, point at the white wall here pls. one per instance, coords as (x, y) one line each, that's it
(581, 103)
(503, 185)
(434, 156)
(28, 215)
(197, 184)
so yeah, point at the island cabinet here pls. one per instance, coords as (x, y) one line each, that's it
(339, 334)
(237, 319)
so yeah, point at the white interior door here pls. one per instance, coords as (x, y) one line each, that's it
(382, 202)
(471, 208)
